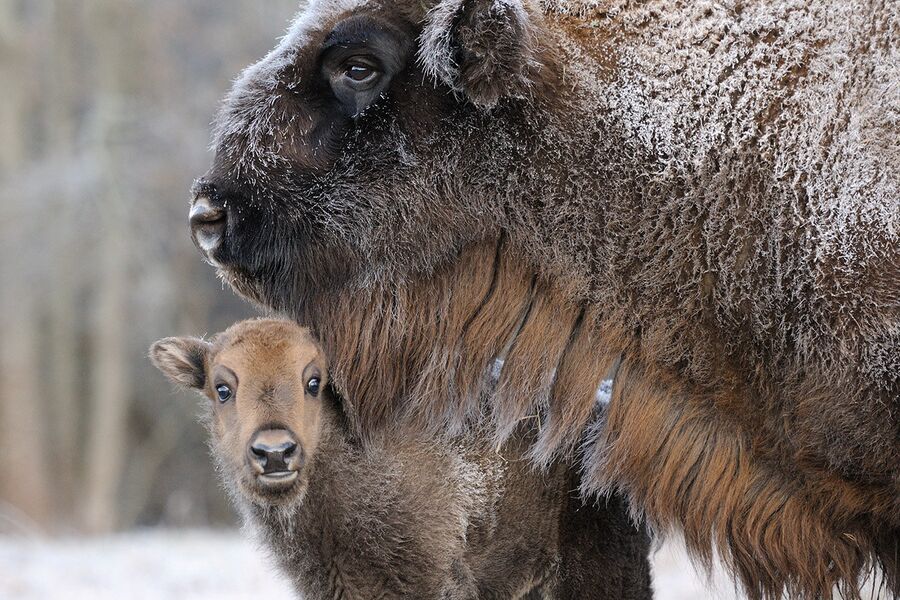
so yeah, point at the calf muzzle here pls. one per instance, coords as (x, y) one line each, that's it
(275, 456)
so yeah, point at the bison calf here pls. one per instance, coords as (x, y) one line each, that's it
(394, 516)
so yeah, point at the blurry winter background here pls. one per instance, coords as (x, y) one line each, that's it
(104, 123)
(105, 485)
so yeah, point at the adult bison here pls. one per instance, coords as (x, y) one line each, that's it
(704, 196)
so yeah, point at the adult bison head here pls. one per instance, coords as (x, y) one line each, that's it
(339, 156)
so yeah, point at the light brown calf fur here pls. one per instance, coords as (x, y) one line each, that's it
(396, 516)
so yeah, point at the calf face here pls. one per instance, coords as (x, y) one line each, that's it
(264, 380)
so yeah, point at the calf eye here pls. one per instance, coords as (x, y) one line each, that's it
(312, 386)
(224, 392)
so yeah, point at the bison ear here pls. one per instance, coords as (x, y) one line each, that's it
(182, 360)
(486, 49)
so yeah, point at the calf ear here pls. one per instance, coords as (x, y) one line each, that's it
(182, 360)
(486, 49)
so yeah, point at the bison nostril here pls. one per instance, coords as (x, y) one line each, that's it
(259, 452)
(203, 212)
(207, 224)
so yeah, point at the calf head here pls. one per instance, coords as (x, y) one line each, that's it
(264, 380)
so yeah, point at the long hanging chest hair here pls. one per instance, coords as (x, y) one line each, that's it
(428, 349)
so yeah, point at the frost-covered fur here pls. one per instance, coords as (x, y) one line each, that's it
(705, 193)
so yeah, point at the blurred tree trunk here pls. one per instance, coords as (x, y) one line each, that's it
(109, 390)
(23, 440)
(23, 470)
(113, 22)
(13, 101)
(61, 68)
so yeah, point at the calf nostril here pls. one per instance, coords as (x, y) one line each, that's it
(289, 449)
(259, 451)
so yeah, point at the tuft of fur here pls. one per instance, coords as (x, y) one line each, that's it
(705, 193)
(487, 50)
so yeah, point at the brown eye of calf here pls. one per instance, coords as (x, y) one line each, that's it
(312, 386)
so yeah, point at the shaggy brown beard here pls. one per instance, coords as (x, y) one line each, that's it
(424, 350)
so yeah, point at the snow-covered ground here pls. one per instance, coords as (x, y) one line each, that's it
(207, 565)
(220, 565)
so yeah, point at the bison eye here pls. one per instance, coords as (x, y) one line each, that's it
(360, 57)
(359, 72)
(312, 386)
(356, 81)
(223, 392)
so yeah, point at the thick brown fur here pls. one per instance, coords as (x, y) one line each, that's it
(400, 515)
(704, 194)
